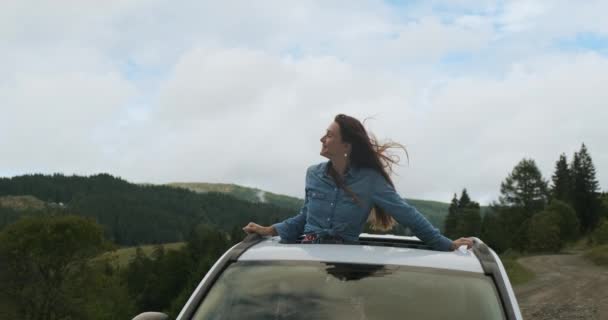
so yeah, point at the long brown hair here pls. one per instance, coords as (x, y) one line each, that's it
(367, 152)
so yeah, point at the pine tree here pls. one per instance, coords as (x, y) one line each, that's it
(524, 188)
(451, 221)
(470, 216)
(493, 231)
(465, 200)
(604, 206)
(585, 195)
(470, 224)
(562, 186)
(464, 217)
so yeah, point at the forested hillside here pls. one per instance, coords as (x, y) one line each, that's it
(130, 213)
(435, 211)
(244, 193)
(138, 214)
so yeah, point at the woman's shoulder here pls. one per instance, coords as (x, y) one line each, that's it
(317, 168)
(368, 172)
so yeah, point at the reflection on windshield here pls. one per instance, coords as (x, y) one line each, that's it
(311, 290)
(349, 272)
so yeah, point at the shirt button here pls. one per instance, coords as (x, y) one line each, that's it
(328, 219)
(332, 203)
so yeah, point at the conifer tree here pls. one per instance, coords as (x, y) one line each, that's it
(464, 217)
(561, 188)
(465, 200)
(585, 195)
(451, 221)
(524, 188)
(470, 216)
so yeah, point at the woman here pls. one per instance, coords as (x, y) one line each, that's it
(350, 188)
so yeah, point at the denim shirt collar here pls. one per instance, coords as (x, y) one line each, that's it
(351, 172)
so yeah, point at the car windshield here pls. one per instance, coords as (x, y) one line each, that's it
(311, 290)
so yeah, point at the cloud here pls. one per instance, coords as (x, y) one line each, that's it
(53, 122)
(470, 133)
(251, 117)
(239, 92)
(210, 83)
(483, 127)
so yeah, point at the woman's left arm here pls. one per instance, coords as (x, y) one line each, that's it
(385, 197)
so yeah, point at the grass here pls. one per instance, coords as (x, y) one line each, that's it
(518, 274)
(598, 255)
(124, 255)
(22, 202)
(581, 244)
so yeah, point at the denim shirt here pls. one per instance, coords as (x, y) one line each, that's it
(329, 210)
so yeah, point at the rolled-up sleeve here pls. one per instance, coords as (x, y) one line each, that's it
(385, 197)
(290, 229)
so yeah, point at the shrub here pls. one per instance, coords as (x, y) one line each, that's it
(544, 232)
(600, 235)
(599, 255)
(568, 224)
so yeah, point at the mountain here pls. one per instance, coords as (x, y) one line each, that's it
(435, 211)
(244, 193)
(131, 214)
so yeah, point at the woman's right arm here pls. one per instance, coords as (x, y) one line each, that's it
(253, 227)
(290, 229)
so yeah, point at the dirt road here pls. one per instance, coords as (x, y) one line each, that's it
(566, 287)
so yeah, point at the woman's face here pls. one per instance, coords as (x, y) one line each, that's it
(331, 143)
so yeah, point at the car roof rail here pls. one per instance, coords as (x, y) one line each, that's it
(224, 261)
(492, 267)
(250, 240)
(392, 241)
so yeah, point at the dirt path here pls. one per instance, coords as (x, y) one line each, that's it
(566, 287)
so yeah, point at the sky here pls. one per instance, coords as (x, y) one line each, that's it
(162, 91)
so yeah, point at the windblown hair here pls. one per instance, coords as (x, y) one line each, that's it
(367, 152)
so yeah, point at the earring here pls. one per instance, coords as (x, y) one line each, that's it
(345, 155)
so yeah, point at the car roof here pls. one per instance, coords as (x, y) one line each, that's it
(271, 249)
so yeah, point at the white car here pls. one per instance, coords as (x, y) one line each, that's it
(382, 277)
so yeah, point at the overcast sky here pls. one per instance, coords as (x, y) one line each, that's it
(241, 91)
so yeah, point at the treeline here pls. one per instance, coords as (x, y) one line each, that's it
(534, 214)
(166, 279)
(134, 214)
(52, 268)
(464, 216)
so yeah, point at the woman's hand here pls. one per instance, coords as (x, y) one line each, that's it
(261, 230)
(462, 242)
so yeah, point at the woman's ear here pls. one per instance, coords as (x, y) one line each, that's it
(349, 148)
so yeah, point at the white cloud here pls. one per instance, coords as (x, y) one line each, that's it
(521, 15)
(469, 34)
(52, 122)
(240, 92)
(482, 127)
(256, 118)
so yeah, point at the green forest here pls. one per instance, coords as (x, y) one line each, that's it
(62, 237)
(134, 214)
(434, 211)
(535, 214)
(54, 231)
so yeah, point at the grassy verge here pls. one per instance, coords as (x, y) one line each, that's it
(598, 255)
(518, 274)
